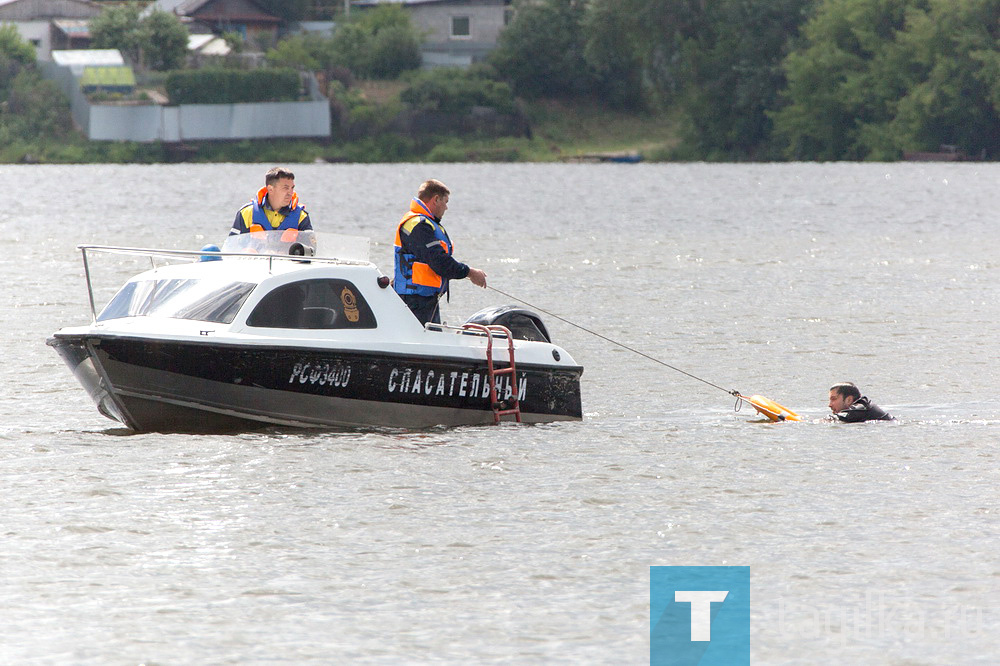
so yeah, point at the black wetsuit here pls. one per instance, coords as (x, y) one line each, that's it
(863, 409)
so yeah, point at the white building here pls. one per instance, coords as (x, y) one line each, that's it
(459, 32)
(36, 20)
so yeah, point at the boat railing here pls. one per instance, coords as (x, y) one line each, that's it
(198, 255)
(461, 330)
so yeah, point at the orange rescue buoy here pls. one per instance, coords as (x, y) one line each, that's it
(771, 409)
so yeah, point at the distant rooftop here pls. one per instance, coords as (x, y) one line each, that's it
(72, 27)
(88, 57)
(208, 45)
(367, 3)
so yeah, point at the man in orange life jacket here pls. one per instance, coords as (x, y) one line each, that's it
(423, 254)
(275, 208)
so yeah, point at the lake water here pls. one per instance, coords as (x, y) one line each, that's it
(869, 543)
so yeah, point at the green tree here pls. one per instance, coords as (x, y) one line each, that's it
(13, 47)
(167, 41)
(308, 52)
(381, 43)
(349, 47)
(37, 108)
(118, 28)
(610, 52)
(651, 33)
(845, 80)
(15, 55)
(542, 51)
(394, 50)
(157, 41)
(730, 75)
(717, 63)
(456, 90)
(34, 110)
(378, 43)
(953, 92)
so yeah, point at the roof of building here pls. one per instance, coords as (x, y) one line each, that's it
(44, 9)
(367, 3)
(372, 3)
(208, 45)
(89, 57)
(238, 10)
(73, 27)
(107, 77)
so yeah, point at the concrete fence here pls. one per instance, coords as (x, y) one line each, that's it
(191, 122)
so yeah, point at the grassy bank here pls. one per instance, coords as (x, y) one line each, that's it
(562, 131)
(559, 131)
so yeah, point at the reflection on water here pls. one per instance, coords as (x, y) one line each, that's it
(532, 544)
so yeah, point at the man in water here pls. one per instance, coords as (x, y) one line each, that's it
(849, 406)
(276, 206)
(423, 254)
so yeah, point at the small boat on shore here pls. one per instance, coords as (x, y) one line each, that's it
(265, 331)
(625, 157)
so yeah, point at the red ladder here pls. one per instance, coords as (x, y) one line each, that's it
(500, 408)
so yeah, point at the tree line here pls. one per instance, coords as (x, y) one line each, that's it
(747, 79)
(775, 79)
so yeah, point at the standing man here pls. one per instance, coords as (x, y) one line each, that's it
(849, 406)
(423, 254)
(275, 208)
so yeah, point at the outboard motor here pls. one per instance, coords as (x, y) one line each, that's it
(523, 324)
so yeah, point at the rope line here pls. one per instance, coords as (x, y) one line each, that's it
(733, 392)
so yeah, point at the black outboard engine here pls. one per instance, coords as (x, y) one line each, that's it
(523, 324)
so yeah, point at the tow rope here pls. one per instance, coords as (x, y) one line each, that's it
(765, 406)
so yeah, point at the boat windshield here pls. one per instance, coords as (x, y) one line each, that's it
(201, 300)
(289, 241)
(304, 243)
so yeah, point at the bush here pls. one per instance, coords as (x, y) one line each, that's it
(15, 55)
(454, 150)
(15, 48)
(394, 50)
(380, 44)
(37, 108)
(541, 51)
(448, 151)
(157, 40)
(230, 86)
(454, 90)
(306, 52)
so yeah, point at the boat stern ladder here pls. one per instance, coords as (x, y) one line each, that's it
(508, 407)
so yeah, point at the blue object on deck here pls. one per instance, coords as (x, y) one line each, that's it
(210, 248)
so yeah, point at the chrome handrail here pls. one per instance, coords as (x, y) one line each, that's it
(154, 252)
(430, 326)
(115, 249)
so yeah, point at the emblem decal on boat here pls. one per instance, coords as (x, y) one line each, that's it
(350, 302)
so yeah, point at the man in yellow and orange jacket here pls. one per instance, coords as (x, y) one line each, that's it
(424, 261)
(276, 206)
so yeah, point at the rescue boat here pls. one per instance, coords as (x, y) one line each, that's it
(266, 331)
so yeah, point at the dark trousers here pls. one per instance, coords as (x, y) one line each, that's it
(424, 308)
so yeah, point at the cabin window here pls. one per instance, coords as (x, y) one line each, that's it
(201, 300)
(461, 27)
(313, 304)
